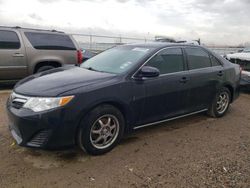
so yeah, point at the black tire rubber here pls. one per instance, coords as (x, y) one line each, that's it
(45, 68)
(213, 110)
(83, 137)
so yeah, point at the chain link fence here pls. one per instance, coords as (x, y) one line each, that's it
(99, 43)
(225, 50)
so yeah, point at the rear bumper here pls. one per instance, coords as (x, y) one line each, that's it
(236, 93)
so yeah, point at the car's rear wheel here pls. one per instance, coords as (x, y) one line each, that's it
(220, 103)
(101, 130)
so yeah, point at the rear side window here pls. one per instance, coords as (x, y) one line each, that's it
(45, 41)
(9, 40)
(168, 61)
(197, 58)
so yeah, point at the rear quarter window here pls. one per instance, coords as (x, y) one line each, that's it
(46, 41)
(9, 40)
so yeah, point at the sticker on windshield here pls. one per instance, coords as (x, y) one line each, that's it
(124, 65)
(140, 49)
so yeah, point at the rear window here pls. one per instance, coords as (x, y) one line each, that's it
(9, 40)
(45, 41)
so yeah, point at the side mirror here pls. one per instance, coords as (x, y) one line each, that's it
(148, 72)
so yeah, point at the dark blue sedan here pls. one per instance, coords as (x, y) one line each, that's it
(120, 90)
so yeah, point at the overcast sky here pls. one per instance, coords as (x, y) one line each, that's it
(214, 21)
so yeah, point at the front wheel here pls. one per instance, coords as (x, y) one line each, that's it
(220, 103)
(101, 130)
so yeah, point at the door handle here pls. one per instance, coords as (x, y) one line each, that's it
(183, 80)
(220, 73)
(18, 55)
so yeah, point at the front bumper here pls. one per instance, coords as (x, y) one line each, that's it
(48, 130)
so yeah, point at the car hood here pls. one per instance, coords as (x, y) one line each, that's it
(241, 56)
(56, 81)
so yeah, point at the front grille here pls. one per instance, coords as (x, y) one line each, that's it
(39, 139)
(17, 101)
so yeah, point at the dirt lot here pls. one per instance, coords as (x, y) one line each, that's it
(197, 151)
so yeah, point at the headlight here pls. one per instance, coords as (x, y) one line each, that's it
(38, 104)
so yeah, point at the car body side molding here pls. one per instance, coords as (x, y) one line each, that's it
(170, 119)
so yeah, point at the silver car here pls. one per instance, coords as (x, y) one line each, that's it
(27, 51)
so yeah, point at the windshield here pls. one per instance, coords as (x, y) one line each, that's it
(116, 60)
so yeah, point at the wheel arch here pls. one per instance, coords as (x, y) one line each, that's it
(231, 89)
(123, 108)
(46, 63)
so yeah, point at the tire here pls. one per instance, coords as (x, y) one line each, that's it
(45, 68)
(104, 122)
(220, 104)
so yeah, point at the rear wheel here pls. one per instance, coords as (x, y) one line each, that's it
(101, 130)
(220, 103)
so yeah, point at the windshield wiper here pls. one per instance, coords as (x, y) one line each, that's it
(92, 69)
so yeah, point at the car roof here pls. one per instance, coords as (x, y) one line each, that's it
(158, 45)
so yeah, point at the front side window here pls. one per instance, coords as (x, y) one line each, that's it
(215, 61)
(9, 40)
(197, 58)
(116, 60)
(168, 61)
(46, 41)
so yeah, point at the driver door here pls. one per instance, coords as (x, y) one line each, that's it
(166, 95)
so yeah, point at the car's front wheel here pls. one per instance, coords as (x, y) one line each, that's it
(101, 130)
(220, 103)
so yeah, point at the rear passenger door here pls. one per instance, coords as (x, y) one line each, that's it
(12, 56)
(166, 95)
(204, 78)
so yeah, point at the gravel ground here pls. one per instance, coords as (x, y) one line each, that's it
(196, 151)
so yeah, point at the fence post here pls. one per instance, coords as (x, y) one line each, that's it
(90, 42)
(120, 39)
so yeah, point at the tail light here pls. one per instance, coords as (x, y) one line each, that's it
(79, 57)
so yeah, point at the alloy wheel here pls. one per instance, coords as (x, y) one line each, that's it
(104, 131)
(222, 102)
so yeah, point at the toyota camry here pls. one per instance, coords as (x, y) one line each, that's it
(120, 90)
